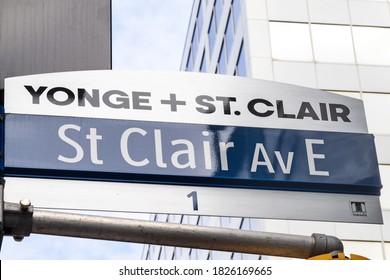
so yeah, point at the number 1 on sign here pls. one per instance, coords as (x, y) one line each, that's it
(194, 196)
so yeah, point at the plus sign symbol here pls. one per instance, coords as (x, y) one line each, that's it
(173, 102)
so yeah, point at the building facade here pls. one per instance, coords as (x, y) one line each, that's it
(341, 46)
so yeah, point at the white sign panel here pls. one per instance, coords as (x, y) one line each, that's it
(183, 97)
(191, 200)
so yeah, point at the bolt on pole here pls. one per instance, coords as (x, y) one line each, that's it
(169, 234)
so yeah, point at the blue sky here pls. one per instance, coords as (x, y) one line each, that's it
(147, 35)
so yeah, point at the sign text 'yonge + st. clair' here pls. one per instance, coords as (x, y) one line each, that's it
(206, 104)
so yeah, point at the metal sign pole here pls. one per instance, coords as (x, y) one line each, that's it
(21, 220)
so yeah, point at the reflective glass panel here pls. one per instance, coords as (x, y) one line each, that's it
(236, 12)
(212, 33)
(241, 67)
(371, 250)
(328, 11)
(375, 78)
(203, 63)
(337, 76)
(290, 41)
(332, 43)
(218, 11)
(200, 17)
(371, 13)
(195, 42)
(377, 112)
(297, 73)
(372, 45)
(385, 193)
(222, 64)
(386, 219)
(287, 10)
(383, 148)
(189, 62)
(229, 34)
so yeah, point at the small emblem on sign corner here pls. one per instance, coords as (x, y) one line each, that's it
(358, 208)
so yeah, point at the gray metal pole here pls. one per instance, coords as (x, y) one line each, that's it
(139, 231)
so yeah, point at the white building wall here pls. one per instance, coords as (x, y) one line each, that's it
(335, 45)
(339, 46)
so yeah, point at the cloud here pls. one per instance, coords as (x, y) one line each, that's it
(150, 36)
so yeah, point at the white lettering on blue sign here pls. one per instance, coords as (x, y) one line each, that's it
(185, 150)
(311, 156)
(201, 154)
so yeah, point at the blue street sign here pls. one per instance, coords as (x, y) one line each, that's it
(189, 143)
(190, 154)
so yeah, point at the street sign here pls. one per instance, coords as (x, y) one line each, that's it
(188, 129)
(196, 154)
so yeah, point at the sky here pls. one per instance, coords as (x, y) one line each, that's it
(146, 35)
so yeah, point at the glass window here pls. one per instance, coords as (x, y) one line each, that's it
(189, 61)
(290, 10)
(290, 41)
(162, 218)
(236, 256)
(193, 220)
(236, 12)
(332, 43)
(371, 250)
(241, 66)
(254, 224)
(329, 11)
(333, 76)
(386, 220)
(203, 63)
(225, 222)
(222, 63)
(386, 246)
(194, 254)
(184, 219)
(195, 42)
(200, 18)
(212, 33)
(372, 45)
(235, 222)
(205, 220)
(218, 11)
(229, 34)
(383, 148)
(297, 73)
(161, 252)
(378, 14)
(374, 78)
(245, 224)
(377, 112)
(385, 198)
